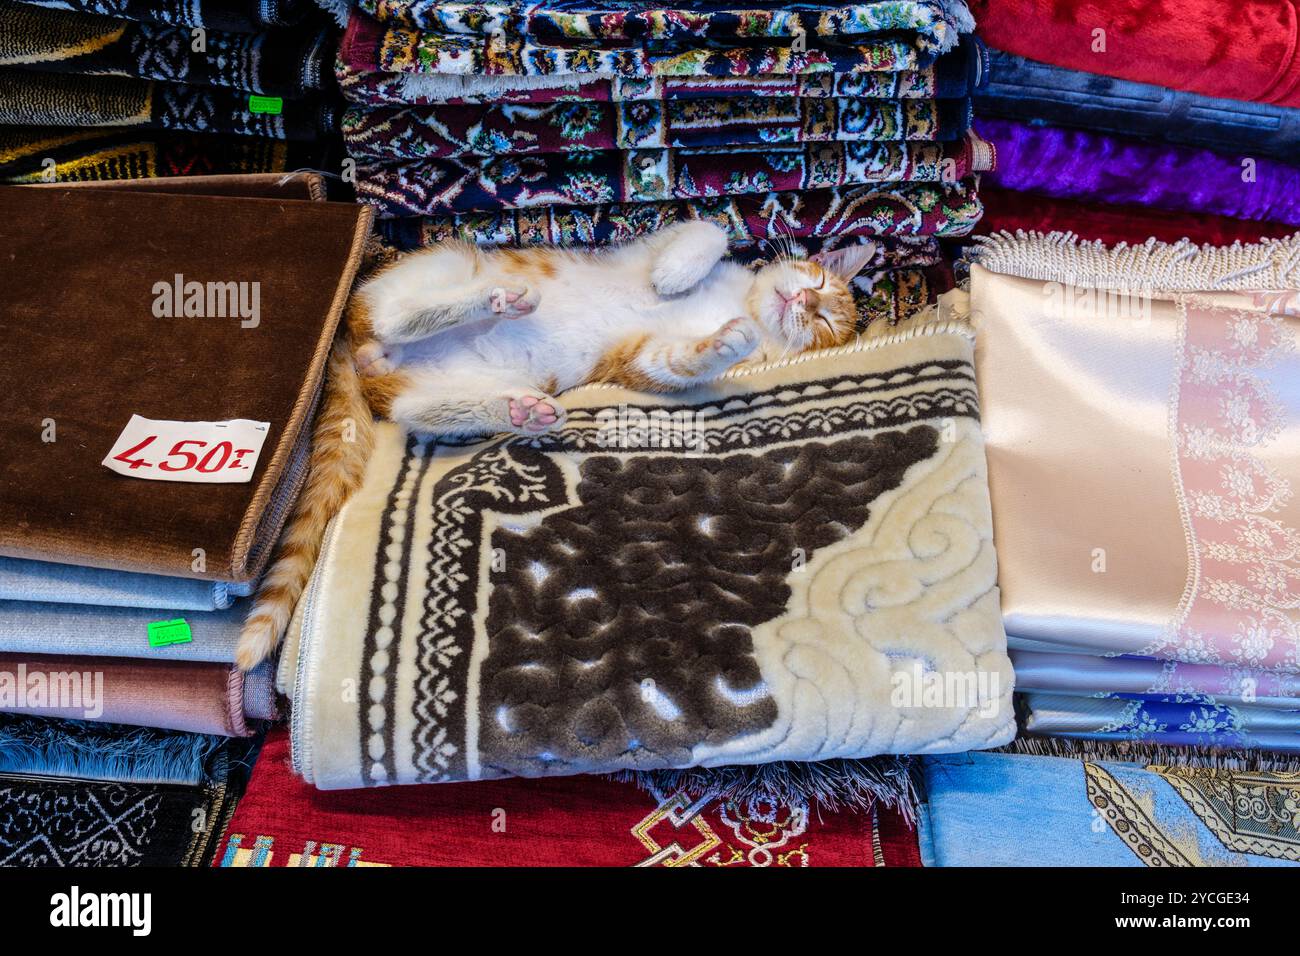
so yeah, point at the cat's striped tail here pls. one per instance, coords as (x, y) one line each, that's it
(341, 442)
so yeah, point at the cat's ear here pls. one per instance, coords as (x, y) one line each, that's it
(848, 261)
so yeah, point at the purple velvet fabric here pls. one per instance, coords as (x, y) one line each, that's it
(1095, 167)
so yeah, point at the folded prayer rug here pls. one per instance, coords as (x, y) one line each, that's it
(78, 380)
(86, 822)
(1177, 720)
(775, 567)
(995, 809)
(108, 153)
(41, 581)
(1040, 93)
(40, 746)
(1082, 674)
(1114, 223)
(240, 16)
(429, 187)
(1245, 50)
(954, 75)
(1176, 536)
(576, 821)
(895, 209)
(937, 22)
(369, 45)
(1097, 167)
(282, 63)
(59, 99)
(453, 131)
(194, 696)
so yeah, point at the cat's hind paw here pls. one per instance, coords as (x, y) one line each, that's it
(374, 359)
(534, 414)
(513, 303)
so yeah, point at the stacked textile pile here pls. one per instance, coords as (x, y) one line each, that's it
(140, 88)
(1116, 126)
(1141, 420)
(570, 821)
(100, 795)
(1177, 126)
(571, 122)
(125, 566)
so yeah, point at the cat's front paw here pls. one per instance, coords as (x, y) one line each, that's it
(735, 340)
(374, 359)
(534, 414)
(513, 303)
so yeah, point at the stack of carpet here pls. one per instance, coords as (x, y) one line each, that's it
(1123, 127)
(134, 89)
(797, 127)
(126, 564)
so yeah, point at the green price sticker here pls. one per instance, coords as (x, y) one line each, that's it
(176, 631)
(265, 104)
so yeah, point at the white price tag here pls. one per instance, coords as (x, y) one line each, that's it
(212, 452)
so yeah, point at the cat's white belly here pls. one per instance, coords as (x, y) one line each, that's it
(574, 326)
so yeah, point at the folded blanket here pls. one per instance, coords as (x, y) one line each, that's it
(1096, 167)
(1178, 362)
(64, 369)
(937, 22)
(371, 46)
(1009, 211)
(1081, 674)
(82, 822)
(42, 581)
(1174, 721)
(586, 821)
(780, 578)
(900, 209)
(453, 131)
(1245, 50)
(193, 696)
(123, 153)
(1037, 92)
(282, 63)
(57, 99)
(39, 746)
(240, 16)
(430, 187)
(1013, 810)
(954, 75)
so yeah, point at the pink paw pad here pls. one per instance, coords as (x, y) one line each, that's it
(532, 413)
(511, 302)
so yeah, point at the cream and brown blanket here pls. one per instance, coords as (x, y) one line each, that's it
(794, 564)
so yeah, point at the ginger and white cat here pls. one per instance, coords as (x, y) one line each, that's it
(460, 340)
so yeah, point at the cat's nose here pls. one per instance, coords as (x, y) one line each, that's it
(799, 298)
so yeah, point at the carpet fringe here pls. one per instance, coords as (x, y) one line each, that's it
(1149, 754)
(831, 784)
(1183, 266)
(81, 750)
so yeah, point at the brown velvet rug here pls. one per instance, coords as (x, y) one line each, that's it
(84, 352)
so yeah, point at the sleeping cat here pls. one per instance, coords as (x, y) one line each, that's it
(459, 340)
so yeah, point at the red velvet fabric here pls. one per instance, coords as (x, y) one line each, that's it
(1004, 209)
(1237, 49)
(560, 821)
